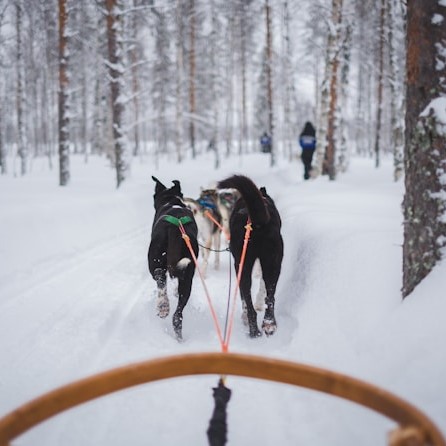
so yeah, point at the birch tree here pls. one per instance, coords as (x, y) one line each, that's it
(161, 77)
(334, 50)
(343, 156)
(425, 146)
(287, 80)
(396, 88)
(3, 165)
(64, 146)
(22, 143)
(320, 164)
(380, 86)
(269, 80)
(116, 79)
(192, 65)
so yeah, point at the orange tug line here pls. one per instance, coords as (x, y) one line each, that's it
(224, 342)
(211, 217)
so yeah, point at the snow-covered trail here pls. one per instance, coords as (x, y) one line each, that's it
(76, 299)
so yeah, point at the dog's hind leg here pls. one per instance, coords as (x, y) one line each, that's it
(184, 290)
(162, 302)
(269, 324)
(245, 292)
(206, 253)
(216, 244)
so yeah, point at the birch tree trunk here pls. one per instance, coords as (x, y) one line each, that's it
(179, 84)
(64, 146)
(425, 146)
(230, 50)
(396, 95)
(22, 148)
(3, 161)
(343, 158)
(269, 80)
(116, 71)
(334, 47)
(215, 138)
(192, 65)
(135, 83)
(379, 106)
(3, 167)
(243, 67)
(287, 131)
(320, 167)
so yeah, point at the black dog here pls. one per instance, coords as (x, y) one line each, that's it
(265, 244)
(168, 250)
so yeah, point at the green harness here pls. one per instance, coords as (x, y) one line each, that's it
(177, 221)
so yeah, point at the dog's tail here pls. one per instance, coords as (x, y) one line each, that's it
(251, 195)
(178, 255)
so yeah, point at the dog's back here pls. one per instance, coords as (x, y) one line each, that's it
(167, 238)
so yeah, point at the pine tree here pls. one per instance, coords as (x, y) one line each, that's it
(425, 146)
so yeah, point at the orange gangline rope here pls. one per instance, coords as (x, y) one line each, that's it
(211, 306)
(248, 229)
(222, 228)
(224, 342)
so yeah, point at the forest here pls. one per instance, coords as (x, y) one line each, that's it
(142, 78)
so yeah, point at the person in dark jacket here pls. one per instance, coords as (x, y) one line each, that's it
(265, 143)
(307, 141)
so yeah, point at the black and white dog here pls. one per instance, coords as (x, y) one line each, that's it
(265, 244)
(205, 211)
(226, 199)
(168, 251)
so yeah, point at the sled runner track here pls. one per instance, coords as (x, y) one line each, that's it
(50, 269)
(413, 423)
(84, 296)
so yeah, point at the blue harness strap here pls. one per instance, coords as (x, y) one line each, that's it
(207, 204)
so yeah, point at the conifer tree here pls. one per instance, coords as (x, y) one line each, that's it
(425, 146)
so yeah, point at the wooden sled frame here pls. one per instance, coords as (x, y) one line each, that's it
(414, 429)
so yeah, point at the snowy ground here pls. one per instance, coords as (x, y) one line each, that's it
(76, 298)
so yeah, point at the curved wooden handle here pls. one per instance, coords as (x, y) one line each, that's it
(63, 398)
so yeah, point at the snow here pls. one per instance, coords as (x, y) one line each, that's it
(437, 19)
(437, 108)
(76, 299)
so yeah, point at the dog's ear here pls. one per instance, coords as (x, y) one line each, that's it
(159, 186)
(176, 189)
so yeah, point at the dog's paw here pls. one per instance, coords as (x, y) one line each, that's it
(255, 333)
(269, 326)
(163, 308)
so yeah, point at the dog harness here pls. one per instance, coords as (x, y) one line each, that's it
(207, 204)
(177, 221)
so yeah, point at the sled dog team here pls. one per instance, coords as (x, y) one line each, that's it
(182, 226)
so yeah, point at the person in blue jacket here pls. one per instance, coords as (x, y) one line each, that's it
(307, 141)
(265, 143)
